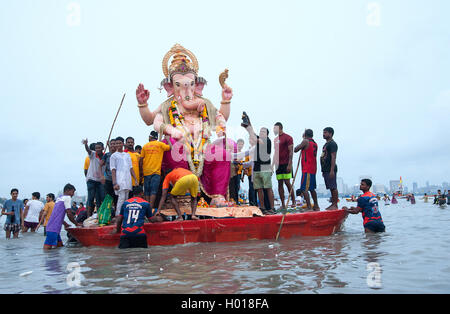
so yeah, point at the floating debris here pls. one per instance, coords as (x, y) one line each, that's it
(26, 273)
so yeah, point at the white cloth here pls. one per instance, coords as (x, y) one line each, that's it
(95, 171)
(122, 163)
(123, 196)
(34, 208)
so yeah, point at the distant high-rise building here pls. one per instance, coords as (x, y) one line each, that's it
(394, 186)
(340, 185)
(415, 187)
(378, 189)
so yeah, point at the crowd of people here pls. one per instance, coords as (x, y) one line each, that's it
(137, 180)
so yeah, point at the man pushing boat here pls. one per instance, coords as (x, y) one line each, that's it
(130, 223)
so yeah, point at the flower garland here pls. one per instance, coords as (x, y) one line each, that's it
(197, 147)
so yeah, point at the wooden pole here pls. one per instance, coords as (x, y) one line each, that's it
(109, 136)
(289, 196)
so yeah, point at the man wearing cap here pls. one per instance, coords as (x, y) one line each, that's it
(150, 166)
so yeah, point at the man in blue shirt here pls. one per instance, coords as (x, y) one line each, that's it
(13, 210)
(131, 221)
(368, 206)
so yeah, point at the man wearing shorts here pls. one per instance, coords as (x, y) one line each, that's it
(283, 162)
(368, 206)
(12, 209)
(262, 169)
(31, 213)
(182, 181)
(329, 167)
(308, 148)
(47, 212)
(61, 208)
(150, 166)
(130, 223)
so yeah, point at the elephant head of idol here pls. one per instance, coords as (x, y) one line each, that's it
(182, 81)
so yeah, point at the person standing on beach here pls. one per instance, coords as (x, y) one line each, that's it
(283, 162)
(308, 148)
(13, 210)
(150, 166)
(31, 213)
(122, 172)
(47, 212)
(368, 206)
(329, 167)
(61, 208)
(94, 176)
(130, 222)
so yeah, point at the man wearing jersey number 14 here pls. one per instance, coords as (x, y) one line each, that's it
(131, 221)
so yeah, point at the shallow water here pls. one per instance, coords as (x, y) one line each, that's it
(411, 257)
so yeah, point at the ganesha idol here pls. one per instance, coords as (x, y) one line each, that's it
(187, 119)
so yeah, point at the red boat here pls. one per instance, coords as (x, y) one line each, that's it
(321, 223)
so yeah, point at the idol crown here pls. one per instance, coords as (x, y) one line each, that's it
(183, 62)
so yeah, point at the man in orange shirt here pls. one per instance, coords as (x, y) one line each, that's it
(150, 166)
(47, 212)
(129, 148)
(181, 180)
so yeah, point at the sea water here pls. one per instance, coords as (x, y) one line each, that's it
(412, 256)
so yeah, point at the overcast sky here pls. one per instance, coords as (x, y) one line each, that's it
(376, 71)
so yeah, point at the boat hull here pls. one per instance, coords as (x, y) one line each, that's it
(322, 223)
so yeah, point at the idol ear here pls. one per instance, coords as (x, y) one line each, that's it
(200, 83)
(168, 86)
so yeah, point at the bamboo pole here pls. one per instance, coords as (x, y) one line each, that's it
(109, 136)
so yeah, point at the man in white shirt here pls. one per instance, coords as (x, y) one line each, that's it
(122, 171)
(31, 213)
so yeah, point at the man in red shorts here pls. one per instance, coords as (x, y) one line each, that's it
(308, 148)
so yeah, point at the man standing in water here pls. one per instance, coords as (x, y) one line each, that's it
(130, 223)
(62, 207)
(329, 167)
(308, 148)
(368, 206)
(13, 210)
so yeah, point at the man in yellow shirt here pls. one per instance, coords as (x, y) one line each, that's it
(129, 148)
(47, 211)
(150, 166)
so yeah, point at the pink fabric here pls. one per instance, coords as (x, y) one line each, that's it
(169, 163)
(216, 167)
